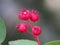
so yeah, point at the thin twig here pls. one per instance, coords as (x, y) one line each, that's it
(36, 37)
(37, 40)
(29, 23)
(29, 33)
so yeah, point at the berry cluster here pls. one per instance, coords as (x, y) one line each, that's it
(28, 16)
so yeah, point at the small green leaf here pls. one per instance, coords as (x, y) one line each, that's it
(22, 42)
(53, 43)
(2, 31)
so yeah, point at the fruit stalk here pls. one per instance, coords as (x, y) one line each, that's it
(36, 37)
(29, 24)
(37, 40)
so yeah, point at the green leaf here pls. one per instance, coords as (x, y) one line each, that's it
(2, 31)
(22, 42)
(53, 43)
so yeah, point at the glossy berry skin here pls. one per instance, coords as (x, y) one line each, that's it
(22, 27)
(24, 14)
(34, 16)
(36, 30)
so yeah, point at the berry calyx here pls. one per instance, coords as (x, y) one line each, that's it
(36, 30)
(22, 27)
(24, 14)
(34, 16)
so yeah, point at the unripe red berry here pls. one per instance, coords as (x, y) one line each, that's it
(22, 27)
(36, 30)
(34, 16)
(24, 14)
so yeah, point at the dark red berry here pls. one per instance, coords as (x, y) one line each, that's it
(22, 27)
(34, 16)
(36, 30)
(24, 14)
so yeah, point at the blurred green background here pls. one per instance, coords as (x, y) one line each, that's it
(49, 11)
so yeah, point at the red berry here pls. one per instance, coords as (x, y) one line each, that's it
(24, 14)
(34, 16)
(36, 30)
(22, 27)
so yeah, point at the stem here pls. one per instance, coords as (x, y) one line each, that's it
(28, 21)
(37, 40)
(29, 33)
(36, 37)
